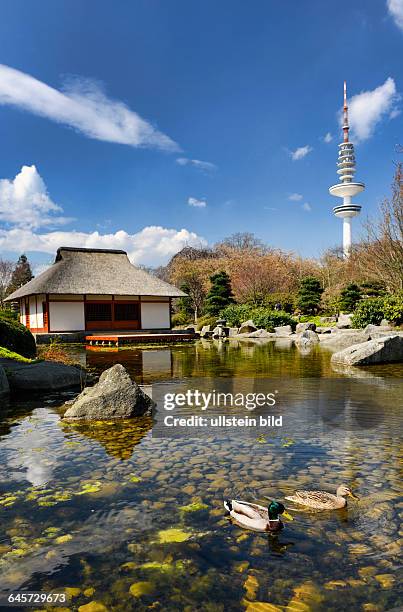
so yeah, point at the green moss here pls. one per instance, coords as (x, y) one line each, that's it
(138, 589)
(168, 536)
(6, 354)
(194, 507)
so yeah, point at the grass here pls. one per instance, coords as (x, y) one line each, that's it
(316, 319)
(6, 354)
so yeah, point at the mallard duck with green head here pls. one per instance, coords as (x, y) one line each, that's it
(255, 517)
(322, 500)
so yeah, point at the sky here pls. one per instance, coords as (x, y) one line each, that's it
(149, 125)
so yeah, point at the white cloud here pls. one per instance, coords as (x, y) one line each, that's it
(81, 105)
(295, 197)
(395, 8)
(368, 108)
(197, 163)
(24, 201)
(152, 246)
(328, 137)
(307, 207)
(301, 152)
(197, 203)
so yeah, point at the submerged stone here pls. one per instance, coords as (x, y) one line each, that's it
(138, 589)
(166, 536)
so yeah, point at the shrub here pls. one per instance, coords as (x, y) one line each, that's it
(287, 301)
(180, 318)
(9, 315)
(220, 294)
(393, 308)
(17, 338)
(349, 297)
(206, 320)
(368, 311)
(235, 314)
(261, 316)
(309, 295)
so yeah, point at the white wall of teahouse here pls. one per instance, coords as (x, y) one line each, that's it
(155, 315)
(66, 316)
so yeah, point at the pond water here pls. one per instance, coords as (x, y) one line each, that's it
(136, 522)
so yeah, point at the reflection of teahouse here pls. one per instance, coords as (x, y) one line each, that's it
(94, 289)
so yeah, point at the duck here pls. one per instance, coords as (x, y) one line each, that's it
(322, 500)
(255, 517)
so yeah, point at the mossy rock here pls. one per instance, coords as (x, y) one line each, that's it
(138, 589)
(195, 507)
(168, 536)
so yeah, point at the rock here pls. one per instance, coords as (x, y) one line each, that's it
(4, 386)
(344, 321)
(323, 330)
(372, 329)
(384, 323)
(247, 327)
(388, 349)
(204, 330)
(331, 319)
(340, 339)
(259, 333)
(301, 327)
(283, 330)
(307, 339)
(42, 376)
(114, 396)
(232, 331)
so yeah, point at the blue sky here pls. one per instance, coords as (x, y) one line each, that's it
(104, 99)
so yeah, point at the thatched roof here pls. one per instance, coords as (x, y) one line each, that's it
(95, 271)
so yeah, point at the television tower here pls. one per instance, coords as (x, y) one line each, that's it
(346, 188)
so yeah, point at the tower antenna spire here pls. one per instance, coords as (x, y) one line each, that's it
(345, 114)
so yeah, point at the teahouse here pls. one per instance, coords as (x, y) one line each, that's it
(94, 289)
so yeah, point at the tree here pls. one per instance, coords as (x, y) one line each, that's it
(381, 253)
(6, 272)
(220, 293)
(22, 274)
(309, 295)
(349, 297)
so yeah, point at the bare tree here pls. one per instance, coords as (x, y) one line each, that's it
(6, 272)
(381, 251)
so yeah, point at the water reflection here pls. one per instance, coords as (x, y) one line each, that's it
(73, 513)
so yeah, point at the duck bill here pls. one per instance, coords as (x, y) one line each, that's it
(352, 495)
(287, 516)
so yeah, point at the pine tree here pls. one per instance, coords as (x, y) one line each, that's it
(349, 297)
(309, 295)
(22, 274)
(220, 294)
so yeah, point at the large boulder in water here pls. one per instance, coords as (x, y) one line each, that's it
(115, 396)
(388, 349)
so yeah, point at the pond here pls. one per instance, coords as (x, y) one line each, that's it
(135, 521)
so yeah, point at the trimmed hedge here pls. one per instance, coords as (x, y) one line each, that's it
(17, 338)
(265, 318)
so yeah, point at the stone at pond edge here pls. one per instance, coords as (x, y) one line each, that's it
(382, 350)
(301, 327)
(114, 396)
(42, 376)
(247, 327)
(4, 386)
